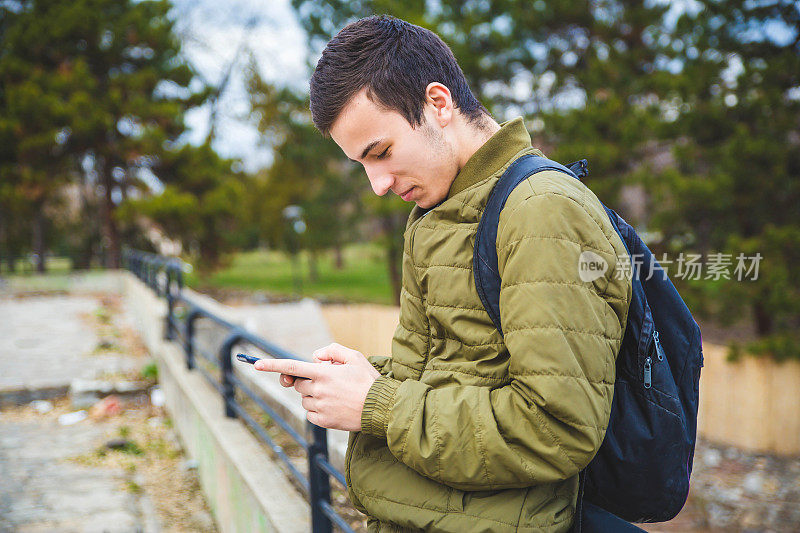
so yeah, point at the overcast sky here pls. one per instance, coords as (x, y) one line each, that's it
(212, 32)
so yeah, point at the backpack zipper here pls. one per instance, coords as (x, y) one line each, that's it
(648, 361)
(659, 349)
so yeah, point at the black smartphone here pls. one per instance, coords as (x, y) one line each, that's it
(250, 359)
(247, 358)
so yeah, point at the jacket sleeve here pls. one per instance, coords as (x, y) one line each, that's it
(547, 421)
(382, 363)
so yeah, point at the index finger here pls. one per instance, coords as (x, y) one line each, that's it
(292, 367)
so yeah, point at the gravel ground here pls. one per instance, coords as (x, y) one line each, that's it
(65, 478)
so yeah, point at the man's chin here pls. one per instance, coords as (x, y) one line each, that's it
(424, 202)
(427, 203)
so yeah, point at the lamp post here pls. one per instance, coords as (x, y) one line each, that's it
(295, 227)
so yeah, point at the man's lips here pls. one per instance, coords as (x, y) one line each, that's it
(406, 196)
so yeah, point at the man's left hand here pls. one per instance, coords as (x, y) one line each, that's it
(335, 385)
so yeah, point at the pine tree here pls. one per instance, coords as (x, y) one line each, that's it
(308, 171)
(94, 86)
(735, 188)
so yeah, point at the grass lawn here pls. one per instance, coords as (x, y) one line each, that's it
(59, 276)
(54, 264)
(364, 278)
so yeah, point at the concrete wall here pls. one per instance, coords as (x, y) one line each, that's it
(753, 404)
(246, 490)
(368, 328)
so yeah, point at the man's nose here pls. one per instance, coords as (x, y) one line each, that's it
(381, 181)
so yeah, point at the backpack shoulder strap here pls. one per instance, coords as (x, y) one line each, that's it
(484, 255)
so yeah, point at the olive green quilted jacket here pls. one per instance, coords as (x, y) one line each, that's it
(467, 430)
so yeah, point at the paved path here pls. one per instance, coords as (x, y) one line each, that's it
(42, 491)
(45, 344)
(47, 341)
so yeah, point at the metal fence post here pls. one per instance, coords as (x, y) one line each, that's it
(179, 274)
(169, 333)
(146, 263)
(319, 482)
(159, 264)
(188, 341)
(226, 365)
(172, 290)
(154, 275)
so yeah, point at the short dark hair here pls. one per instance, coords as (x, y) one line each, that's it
(395, 61)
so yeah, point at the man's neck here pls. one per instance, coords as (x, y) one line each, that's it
(472, 137)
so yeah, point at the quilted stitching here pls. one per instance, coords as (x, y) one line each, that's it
(460, 433)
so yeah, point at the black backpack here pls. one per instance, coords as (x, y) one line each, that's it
(641, 472)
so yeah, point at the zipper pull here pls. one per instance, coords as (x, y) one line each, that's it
(659, 349)
(647, 373)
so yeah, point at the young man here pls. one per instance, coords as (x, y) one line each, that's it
(462, 428)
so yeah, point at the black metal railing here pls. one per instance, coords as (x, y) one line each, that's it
(165, 276)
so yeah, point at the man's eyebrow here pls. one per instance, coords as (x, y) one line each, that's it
(370, 146)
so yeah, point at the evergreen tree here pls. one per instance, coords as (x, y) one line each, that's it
(94, 82)
(308, 171)
(201, 204)
(589, 77)
(735, 187)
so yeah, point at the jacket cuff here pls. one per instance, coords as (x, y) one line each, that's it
(378, 406)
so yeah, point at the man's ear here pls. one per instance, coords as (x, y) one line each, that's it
(441, 101)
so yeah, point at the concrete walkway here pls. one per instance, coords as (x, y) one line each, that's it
(45, 343)
(42, 491)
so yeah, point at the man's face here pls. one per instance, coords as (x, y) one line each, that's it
(418, 164)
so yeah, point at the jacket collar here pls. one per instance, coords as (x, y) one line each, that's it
(508, 141)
